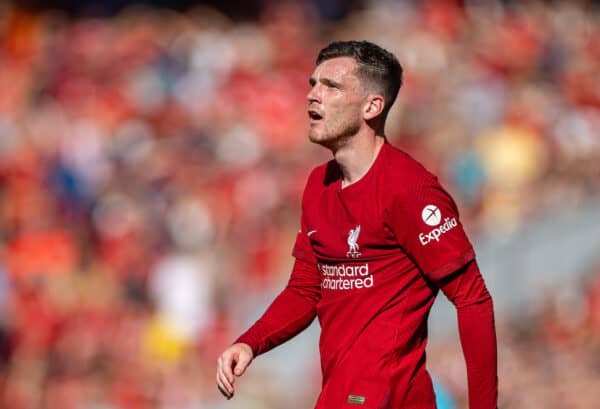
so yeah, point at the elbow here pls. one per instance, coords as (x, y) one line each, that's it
(482, 301)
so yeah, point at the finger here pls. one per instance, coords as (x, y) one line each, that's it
(224, 392)
(242, 364)
(223, 385)
(221, 375)
(227, 368)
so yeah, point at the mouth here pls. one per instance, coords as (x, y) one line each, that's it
(314, 115)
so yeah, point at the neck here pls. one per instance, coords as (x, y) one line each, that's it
(356, 157)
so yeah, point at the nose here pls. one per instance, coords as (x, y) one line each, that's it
(313, 95)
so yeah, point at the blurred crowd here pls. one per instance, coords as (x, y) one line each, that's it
(548, 355)
(152, 165)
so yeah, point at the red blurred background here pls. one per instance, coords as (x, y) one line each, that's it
(152, 161)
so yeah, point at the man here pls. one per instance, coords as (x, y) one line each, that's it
(379, 236)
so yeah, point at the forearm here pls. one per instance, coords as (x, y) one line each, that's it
(466, 290)
(478, 340)
(289, 314)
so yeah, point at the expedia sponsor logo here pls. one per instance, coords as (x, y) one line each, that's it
(435, 234)
(345, 277)
(431, 215)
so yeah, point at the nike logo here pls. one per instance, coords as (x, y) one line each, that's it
(310, 233)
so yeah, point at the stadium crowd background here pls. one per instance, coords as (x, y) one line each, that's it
(152, 163)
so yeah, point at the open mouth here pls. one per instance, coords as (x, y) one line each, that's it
(314, 115)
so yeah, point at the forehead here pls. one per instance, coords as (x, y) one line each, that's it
(338, 69)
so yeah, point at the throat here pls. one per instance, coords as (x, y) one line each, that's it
(356, 163)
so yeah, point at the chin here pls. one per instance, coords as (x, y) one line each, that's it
(314, 136)
(318, 139)
(324, 142)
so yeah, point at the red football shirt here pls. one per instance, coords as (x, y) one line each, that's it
(380, 246)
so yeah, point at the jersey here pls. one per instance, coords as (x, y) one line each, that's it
(378, 244)
(370, 259)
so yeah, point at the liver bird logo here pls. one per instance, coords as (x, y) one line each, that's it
(353, 243)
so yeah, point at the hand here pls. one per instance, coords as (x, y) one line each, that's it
(232, 362)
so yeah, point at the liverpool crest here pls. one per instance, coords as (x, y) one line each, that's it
(353, 243)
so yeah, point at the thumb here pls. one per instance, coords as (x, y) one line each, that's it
(242, 363)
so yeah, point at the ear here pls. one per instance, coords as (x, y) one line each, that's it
(373, 106)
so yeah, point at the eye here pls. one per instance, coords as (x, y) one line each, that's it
(331, 84)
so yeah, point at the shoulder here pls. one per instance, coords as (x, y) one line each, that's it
(404, 174)
(319, 179)
(410, 185)
(323, 175)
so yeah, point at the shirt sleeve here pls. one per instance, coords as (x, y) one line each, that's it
(290, 313)
(302, 248)
(295, 307)
(426, 223)
(475, 312)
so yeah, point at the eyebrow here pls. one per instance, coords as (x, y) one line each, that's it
(325, 81)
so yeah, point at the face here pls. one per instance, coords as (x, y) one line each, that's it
(335, 102)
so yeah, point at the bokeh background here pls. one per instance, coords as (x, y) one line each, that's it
(152, 160)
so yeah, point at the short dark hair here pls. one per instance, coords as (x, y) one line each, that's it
(376, 66)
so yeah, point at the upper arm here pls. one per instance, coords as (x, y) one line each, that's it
(427, 225)
(465, 287)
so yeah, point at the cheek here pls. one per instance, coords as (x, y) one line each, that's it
(346, 114)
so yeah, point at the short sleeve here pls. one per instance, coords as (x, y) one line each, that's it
(426, 223)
